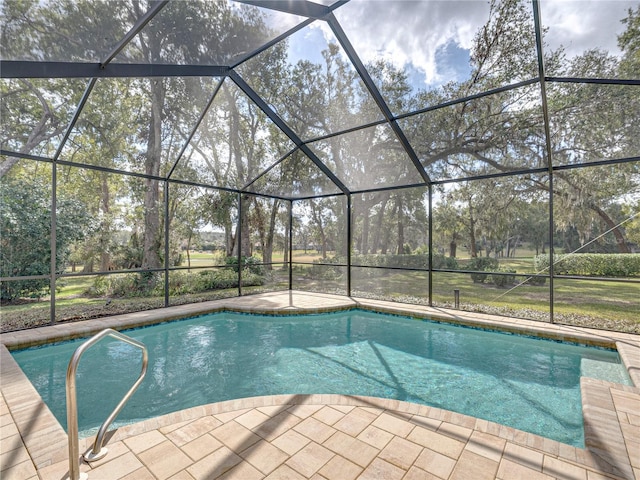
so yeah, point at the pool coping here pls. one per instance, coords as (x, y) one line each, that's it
(610, 410)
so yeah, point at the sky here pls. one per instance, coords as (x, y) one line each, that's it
(432, 38)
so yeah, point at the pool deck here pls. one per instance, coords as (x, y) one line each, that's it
(323, 436)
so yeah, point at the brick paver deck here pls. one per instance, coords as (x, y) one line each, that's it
(323, 436)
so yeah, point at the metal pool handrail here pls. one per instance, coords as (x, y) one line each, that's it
(97, 452)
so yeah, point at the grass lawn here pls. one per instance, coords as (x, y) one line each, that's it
(206, 259)
(604, 304)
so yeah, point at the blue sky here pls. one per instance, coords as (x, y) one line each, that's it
(452, 59)
(431, 39)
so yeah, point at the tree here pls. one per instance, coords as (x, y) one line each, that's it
(632, 223)
(220, 209)
(629, 43)
(169, 42)
(448, 228)
(185, 219)
(36, 112)
(502, 132)
(320, 217)
(25, 219)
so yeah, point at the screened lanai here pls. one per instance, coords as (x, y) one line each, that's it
(481, 156)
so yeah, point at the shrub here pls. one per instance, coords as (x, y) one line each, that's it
(124, 285)
(228, 278)
(536, 281)
(503, 280)
(419, 261)
(445, 263)
(220, 279)
(591, 264)
(99, 287)
(180, 283)
(482, 264)
(252, 264)
(320, 270)
(252, 280)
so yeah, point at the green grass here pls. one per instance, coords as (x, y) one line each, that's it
(203, 259)
(598, 303)
(584, 302)
(72, 286)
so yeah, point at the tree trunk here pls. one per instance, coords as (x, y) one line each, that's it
(237, 155)
(378, 228)
(386, 239)
(229, 240)
(246, 242)
(189, 248)
(364, 245)
(472, 235)
(620, 240)
(267, 254)
(453, 248)
(400, 209)
(247, 249)
(285, 253)
(151, 245)
(323, 237)
(105, 231)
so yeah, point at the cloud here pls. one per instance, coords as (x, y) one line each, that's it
(429, 35)
(412, 32)
(584, 25)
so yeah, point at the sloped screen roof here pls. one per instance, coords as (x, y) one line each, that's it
(297, 99)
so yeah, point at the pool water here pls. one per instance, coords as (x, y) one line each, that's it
(525, 383)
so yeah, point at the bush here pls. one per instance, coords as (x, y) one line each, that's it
(536, 281)
(482, 264)
(252, 264)
(99, 287)
(324, 269)
(503, 280)
(127, 285)
(220, 279)
(445, 263)
(321, 271)
(591, 264)
(419, 261)
(180, 283)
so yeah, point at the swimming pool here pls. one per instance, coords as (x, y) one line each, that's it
(526, 383)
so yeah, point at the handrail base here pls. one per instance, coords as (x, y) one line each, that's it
(89, 456)
(83, 476)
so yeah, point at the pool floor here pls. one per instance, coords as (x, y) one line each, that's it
(326, 436)
(525, 383)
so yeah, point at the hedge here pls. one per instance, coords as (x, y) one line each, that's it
(150, 284)
(591, 264)
(420, 261)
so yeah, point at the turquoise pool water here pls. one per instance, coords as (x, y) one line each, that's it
(526, 383)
